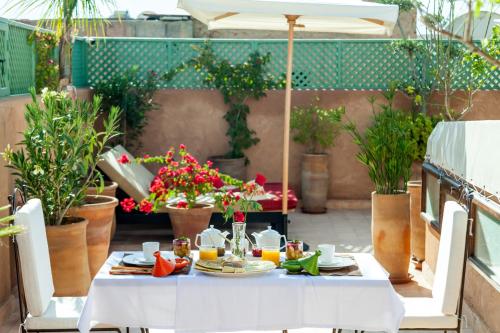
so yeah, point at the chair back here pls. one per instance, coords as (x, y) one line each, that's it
(449, 268)
(34, 257)
(133, 178)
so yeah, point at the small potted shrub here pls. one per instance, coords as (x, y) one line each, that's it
(56, 163)
(387, 150)
(316, 128)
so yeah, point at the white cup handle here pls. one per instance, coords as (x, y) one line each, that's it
(284, 239)
(196, 240)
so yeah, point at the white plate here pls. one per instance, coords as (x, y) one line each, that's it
(137, 259)
(260, 267)
(337, 263)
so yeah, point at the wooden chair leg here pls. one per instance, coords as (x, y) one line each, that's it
(285, 331)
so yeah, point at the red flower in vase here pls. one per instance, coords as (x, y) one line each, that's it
(260, 179)
(239, 217)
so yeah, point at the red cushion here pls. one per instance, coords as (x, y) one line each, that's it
(275, 204)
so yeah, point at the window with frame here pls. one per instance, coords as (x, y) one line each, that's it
(432, 200)
(486, 241)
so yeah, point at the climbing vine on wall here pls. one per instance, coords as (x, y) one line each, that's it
(46, 69)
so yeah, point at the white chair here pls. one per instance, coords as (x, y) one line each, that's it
(40, 311)
(443, 310)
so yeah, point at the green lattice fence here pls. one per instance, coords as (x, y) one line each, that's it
(17, 58)
(318, 64)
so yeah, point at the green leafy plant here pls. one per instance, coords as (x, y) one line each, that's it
(316, 127)
(421, 128)
(7, 229)
(46, 69)
(133, 94)
(386, 147)
(59, 152)
(237, 83)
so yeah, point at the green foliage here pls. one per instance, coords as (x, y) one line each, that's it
(6, 229)
(237, 83)
(133, 94)
(316, 127)
(46, 70)
(386, 147)
(59, 152)
(421, 127)
(492, 47)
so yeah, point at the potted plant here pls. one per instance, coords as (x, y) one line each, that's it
(55, 164)
(177, 186)
(386, 149)
(237, 83)
(316, 128)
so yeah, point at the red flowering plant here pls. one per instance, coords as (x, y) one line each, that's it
(238, 202)
(180, 176)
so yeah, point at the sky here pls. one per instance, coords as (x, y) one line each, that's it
(135, 7)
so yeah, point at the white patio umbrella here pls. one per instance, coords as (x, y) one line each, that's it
(341, 16)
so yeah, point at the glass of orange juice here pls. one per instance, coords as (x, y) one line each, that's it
(271, 254)
(208, 253)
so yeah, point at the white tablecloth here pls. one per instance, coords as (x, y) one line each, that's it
(275, 301)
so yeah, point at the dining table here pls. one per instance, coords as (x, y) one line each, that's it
(197, 302)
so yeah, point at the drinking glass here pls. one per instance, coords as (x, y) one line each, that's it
(271, 253)
(294, 249)
(182, 247)
(208, 253)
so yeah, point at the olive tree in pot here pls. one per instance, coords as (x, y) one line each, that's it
(386, 149)
(237, 83)
(56, 163)
(317, 128)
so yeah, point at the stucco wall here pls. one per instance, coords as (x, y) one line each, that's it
(194, 117)
(11, 123)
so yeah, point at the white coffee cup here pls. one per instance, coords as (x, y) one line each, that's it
(327, 253)
(148, 249)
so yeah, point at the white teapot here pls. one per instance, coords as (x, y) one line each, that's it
(211, 237)
(269, 238)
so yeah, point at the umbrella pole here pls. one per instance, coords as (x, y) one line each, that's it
(288, 103)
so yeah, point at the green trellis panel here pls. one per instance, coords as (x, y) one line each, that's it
(318, 64)
(21, 60)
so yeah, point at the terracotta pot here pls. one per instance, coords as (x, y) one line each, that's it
(417, 225)
(99, 210)
(109, 191)
(391, 234)
(314, 183)
(188, 222)
(69, 257)
(234, 167)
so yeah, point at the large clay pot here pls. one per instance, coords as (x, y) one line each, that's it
(314, 183)
(234, 167)
(109, 190)
(188, 222)
(99, 210)
(417, 225)
(69, 257)
(391, 234)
